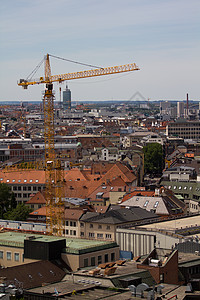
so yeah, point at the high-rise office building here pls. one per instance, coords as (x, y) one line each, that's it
(180, 109)
(67, 98)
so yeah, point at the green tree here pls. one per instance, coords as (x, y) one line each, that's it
(7, 199)
(153, 158)
(20, 213)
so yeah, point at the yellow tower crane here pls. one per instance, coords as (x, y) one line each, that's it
(54, 173)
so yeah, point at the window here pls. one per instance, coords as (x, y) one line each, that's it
(99, 235)
(146, 203)
(82, 224)
(66, 223)
(24, 188)
(8, 254)
(106, 258)
(99, 259)
(14, 188)
(92, 261)
(85, 262)
(82, 233)
(25, 180)
(16, 256)
(108, 227)
(29, 188)
(32, 206)
(112, 256)
(25, 195)
(66, 231)
(108, 236)
(72, 224)
(1, 254)
(19, 188)
(36, 180)
(19, 195)
(91, 234)
(91, 225)
(72, 232)
(13, 180)
(35, 188)
(99, 226)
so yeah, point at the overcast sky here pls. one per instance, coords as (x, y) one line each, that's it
(161, 36)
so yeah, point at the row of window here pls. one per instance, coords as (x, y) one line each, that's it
(94, 262)
(69, 232)
(193, 206)
(71, 223)
(100, 235)
(180, 187)
(26, 188)
(9, 255)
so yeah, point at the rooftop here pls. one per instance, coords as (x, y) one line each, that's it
(73, 246)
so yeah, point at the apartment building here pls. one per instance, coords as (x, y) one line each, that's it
(103, 226)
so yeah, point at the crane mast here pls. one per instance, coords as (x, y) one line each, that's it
(54, 172)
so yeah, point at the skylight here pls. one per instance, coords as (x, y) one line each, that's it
(146, 203)
(156, 204)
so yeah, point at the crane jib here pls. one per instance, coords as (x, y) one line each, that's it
(81, 74)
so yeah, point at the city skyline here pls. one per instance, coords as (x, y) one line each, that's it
(160, 37)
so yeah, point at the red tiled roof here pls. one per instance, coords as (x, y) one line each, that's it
(37, 199)
(23, 177)
(73, 214)
(39, 212)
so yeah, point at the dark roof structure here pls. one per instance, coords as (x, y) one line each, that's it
(33, 274)
(119, 216)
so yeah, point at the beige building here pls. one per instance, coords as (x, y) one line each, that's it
(78, 253)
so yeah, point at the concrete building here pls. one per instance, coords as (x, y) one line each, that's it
(180, 109)
(184, 129)
(67, 99)
(165, 108)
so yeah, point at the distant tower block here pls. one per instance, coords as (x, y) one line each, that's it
(67, 99)
(180, 109)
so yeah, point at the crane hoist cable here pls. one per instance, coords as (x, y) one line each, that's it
(30, 76)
